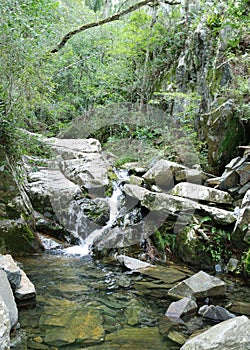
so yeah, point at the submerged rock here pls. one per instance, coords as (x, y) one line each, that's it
(228, 335)
(134, 338)
(67, 323)
(199, 286)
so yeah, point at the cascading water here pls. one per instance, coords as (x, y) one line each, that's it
(79, 226)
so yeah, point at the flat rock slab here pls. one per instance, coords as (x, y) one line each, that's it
(233, 334)
(201, 193)
(67, 323)
(132, 263)
(78, 145)
(12, 270)
(168, 275)
(199, 286)
(135, 338)
(153, 289)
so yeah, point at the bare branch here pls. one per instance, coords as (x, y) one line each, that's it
(112, 18)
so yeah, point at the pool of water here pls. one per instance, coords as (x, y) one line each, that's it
(84, 303)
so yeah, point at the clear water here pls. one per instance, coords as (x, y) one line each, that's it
(93, 286)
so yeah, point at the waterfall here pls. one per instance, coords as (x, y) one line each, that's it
(84, 246)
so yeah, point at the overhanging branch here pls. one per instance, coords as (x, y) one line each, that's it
(112, 18)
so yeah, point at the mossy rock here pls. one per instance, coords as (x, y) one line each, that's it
(190, 249)
(17, 238)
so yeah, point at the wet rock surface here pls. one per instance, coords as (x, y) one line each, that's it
(231, 334)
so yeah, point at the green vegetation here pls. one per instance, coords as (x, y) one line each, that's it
(156, 78)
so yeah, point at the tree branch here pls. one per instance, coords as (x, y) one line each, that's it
(112, 18)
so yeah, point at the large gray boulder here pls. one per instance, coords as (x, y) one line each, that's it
(201, 193)
(4, 326)
(199, 286)
(8, 298)
(232, 334)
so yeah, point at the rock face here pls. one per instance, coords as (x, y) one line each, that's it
(200, 285)
(4, 326)
(229, 335)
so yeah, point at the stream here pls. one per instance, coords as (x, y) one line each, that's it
(101, 295)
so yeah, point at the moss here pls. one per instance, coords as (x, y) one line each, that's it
(247, 263)
(16, 237)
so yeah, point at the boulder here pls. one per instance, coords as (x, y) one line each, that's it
(47, 185)
(215, 314)
(26, 289)
(8, 298)
(231, 334)
(4, 326)
(199, 286)
(201, 193)
(12, 270)
(184, 308)
(162, 173)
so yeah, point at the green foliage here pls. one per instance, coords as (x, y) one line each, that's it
(247, 263)
(218, 245)
(164, 240)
